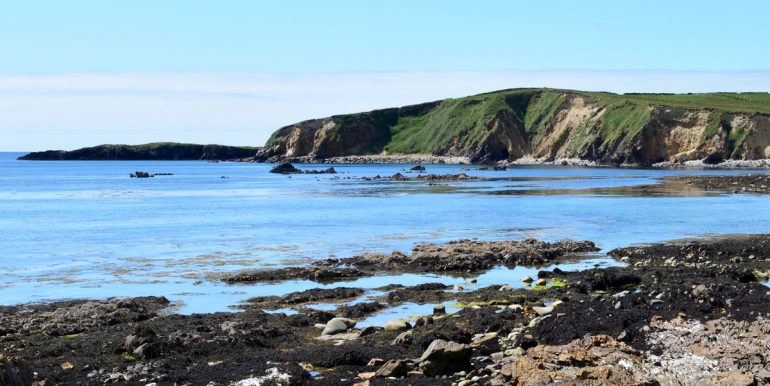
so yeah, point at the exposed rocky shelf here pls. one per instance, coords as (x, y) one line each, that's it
(684, 312)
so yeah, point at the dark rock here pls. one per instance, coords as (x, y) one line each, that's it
(443, 357)
(392, 368)
(713, 159)
(398, 177)
(15, 372)
(368, 330)
(418, 168)
(284, 168)
(143, 343)
(404, 339)
(141, 175)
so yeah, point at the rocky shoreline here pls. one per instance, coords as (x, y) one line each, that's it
(683, 312)
(524, 161)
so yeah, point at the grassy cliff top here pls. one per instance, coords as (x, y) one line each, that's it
(461, 123)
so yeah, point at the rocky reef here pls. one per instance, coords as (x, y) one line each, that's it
(683, 312)
(150, 151)
(543, 125)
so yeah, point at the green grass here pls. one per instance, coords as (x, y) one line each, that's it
(462, 123)
(713, 127)
(463, 120)
(623, 120)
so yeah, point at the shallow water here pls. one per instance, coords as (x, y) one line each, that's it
(74, 229)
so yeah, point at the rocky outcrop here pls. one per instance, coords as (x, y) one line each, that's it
(543, 124)
(150, 151)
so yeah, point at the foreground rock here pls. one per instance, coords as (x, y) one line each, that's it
(443, 357)
(689, 312)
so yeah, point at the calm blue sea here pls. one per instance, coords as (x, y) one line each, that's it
(75, 229)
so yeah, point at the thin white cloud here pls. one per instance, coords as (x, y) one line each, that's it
(67, 111)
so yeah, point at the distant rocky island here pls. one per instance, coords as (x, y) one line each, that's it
(541, 126)
(150, 151)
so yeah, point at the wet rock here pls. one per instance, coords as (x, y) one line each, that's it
(418, 168)
(527, 279)
(140, 175)
(319, 274)
(325, 171)
(397, 325)
(443, 357)
(398, 177)
(284, 168)
(439, 310)
(541, 282)
(338, 325)
(471, 256)
(366, 331)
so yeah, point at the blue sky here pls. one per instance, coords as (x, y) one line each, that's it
(76, 73)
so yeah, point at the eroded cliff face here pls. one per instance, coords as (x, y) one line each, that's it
(539, 124)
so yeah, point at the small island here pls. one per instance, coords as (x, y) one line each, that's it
(160, 151)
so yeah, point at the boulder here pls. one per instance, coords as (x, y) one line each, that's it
(284, 168)
(439, 310)
(487, 343)
(444, 357)
(418, 168)
(542, 310)
(397, 325)
(338, 325)
(143, 343)
(404, 339)
(392, 368)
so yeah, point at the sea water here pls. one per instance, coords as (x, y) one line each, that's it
(85, 229)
